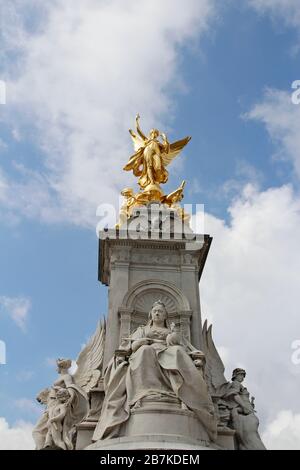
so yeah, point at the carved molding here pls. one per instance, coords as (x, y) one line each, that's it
(140, 257)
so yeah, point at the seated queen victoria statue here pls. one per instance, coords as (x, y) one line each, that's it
(157, 364)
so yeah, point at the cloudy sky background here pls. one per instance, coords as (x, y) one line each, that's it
(76, 73)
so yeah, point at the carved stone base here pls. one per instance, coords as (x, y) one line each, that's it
(85, 433)
(225, 438)
(155, 417)
(156, 425)
(156, 442)
(96, 401)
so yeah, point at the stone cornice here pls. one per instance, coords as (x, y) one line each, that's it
(193, 256)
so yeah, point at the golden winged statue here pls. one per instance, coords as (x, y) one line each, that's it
(153, 153)
(152, 156)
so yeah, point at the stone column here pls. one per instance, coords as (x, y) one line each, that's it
(118, 287)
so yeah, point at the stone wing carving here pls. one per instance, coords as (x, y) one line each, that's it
(90, 359)
(214, 369)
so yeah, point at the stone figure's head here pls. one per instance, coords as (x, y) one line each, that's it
(43, 396)
(154, 133)
(199, 359)
(158, 312)
(62, 395)
(63, 364)
(238, 374)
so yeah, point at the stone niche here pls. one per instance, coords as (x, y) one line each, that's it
(137, 303)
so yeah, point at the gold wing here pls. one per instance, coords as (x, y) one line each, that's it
(135, 162)
(138, 142)
(90, 360)
(174, 150)
(174, 196)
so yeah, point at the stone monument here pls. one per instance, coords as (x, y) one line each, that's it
(151, 376)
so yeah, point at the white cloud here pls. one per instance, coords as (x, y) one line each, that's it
(3, 145)
(283, 432)
(16, 134)
(17, 437)
(31, 198)
(17, 308)
(250, 290)
(282, 120)
(276, 110)
(244, 173)
(288, 10)
(224, 353)
(266, 289)
(28, 406)
(83, 73)
(3, 188)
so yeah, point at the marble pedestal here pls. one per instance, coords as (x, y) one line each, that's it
(148, 442)
(156, 425)
(166, 419)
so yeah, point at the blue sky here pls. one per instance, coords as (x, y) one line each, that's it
(62, 147)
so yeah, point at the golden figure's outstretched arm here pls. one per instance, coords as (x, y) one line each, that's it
(138, 140)
(138, 129)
